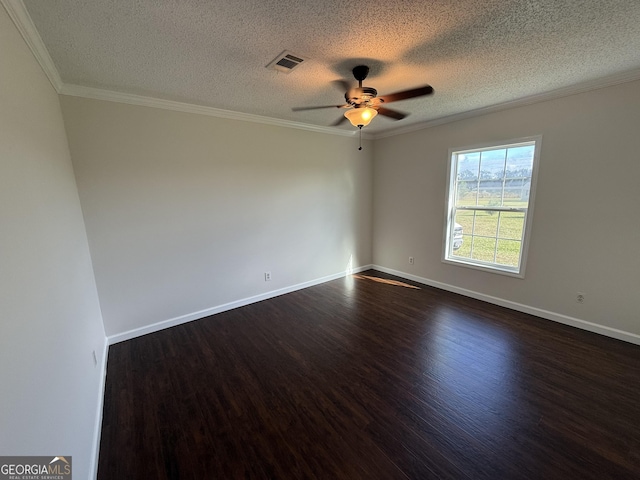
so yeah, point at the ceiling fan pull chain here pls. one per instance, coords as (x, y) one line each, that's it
(360, 127)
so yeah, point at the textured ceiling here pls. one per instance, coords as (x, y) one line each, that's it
(475, 53)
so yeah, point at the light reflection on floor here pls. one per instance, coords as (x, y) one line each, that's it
(385, 281)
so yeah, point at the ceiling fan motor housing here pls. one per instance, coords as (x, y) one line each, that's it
(360, 95)
(360, 72)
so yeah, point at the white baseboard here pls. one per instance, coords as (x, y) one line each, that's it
(93, 468)
(172, 322)
(538, 312)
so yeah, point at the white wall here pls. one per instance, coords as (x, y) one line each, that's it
(50, 318)
(585, 234)
(186, 212)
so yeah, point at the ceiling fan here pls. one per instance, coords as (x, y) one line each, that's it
(363, 103)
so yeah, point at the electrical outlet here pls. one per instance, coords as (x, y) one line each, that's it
(411, 261)
(267, 276)
(580, 297)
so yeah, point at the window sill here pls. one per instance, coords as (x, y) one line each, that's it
(484, 267)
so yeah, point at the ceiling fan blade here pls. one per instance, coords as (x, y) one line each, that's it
(406, 94)
(387, 112)
(299, 109)
(339, 121)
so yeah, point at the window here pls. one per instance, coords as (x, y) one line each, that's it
(491, 192)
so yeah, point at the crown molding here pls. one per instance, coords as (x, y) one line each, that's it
(21, 19)
(18, 13)
(604, 82)
(131, 99)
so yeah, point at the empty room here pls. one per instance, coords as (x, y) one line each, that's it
(324, 240)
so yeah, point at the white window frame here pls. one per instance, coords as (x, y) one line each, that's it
(448, 255)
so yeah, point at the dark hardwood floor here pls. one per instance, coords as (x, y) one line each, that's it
(361, 379)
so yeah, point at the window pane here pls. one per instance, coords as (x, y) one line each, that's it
(520, 161)
(465, 249)
(466, 192)
(490, 193)
(460, 240)
(467, 178)
(511, 225)
(486, 223)
(465, 219)
(492, 164)
(468, 166)
(508, 252)
(483, 249)
(516, 192)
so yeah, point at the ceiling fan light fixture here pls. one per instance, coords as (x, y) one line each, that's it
(360, 116)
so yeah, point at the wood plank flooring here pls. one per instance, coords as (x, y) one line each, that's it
(362, 379)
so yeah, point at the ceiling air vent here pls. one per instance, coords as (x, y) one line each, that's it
(286, 61)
